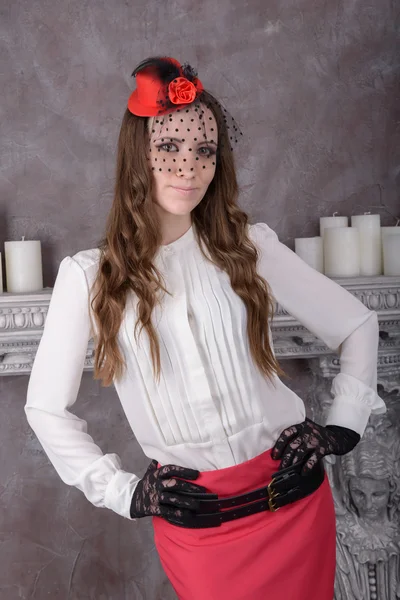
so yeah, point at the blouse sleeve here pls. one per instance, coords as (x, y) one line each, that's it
(333, 315)
(53, 387)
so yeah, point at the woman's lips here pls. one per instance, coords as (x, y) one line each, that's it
(184, 191)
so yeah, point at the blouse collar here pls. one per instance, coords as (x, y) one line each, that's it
(179, 244)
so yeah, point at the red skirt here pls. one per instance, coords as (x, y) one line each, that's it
(289, 554)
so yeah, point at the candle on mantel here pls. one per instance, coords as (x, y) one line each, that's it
(369, 230)
(1, 276)
(341, 252)
(334, 221)
(330, 223)
(311, 251)
(23, 266)
(391, 230)
(391, 254)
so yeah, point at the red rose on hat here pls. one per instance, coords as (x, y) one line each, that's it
(181, 91)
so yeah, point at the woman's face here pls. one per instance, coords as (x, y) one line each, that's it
(182, 155)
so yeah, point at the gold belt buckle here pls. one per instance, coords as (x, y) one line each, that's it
(272, 494)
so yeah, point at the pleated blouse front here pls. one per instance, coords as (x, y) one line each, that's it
(212, 407)
(208, 390)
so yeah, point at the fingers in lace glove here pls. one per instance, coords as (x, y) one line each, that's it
(309, 442)
(157, 493)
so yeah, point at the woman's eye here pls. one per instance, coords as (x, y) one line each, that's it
(207, 151)
(168, 147)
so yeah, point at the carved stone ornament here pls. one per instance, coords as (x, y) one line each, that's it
(365, 483)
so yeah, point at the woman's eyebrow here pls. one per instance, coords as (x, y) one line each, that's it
(167, 139)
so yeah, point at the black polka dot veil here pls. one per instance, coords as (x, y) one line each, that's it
(191, 138)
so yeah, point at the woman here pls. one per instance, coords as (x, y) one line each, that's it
(178, 299)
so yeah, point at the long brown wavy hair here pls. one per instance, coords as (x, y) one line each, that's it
(133, 236)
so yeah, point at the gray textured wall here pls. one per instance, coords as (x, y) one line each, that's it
(314, 86)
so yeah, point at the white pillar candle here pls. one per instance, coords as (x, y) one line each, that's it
(369, 230)
(328, 222)
(23, 266)
(341, 252)
(311, 251)
(391, 254)
(1, 275)
(393, 230)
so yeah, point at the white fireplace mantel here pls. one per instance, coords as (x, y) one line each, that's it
(22, 317)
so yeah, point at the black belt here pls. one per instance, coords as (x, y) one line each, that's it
(286, 487)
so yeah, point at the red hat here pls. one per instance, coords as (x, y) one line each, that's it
(163, 85)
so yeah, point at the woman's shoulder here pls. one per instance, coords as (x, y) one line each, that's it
(87, 259)
(261, 233)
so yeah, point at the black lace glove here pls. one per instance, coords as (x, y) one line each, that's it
(310, 442)
(157, 493)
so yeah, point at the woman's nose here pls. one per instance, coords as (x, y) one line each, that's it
(186, 165)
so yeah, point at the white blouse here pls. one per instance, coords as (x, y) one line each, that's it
(212, 407)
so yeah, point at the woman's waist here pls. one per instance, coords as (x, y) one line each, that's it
(242, 461)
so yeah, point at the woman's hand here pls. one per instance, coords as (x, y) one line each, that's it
(157, 493)
(308, 441)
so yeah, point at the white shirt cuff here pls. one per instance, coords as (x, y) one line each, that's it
(353, 403)
(119, 492)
